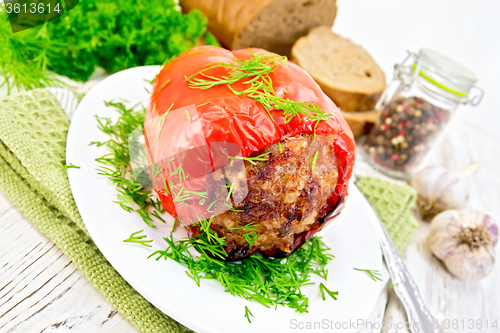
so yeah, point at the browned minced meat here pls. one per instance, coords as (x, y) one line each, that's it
(285, 197)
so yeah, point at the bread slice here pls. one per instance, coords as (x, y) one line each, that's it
(344, 70)
(278, 26)
(274, 25)
(361, 122)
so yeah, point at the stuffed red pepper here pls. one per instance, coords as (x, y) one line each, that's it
(247, 142)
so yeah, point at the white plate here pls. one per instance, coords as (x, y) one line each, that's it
(208, 308)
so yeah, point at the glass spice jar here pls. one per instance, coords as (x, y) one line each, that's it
(426, 90)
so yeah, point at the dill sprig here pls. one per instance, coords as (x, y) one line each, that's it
(139, 239)
(163, 85)
(70, 166)
(116, 164)
(247, 313)
(252, 69)
(251, 238)
(160, 121)
(315, 158)
(374, 274)
(156, 170)
(255, 72)
(250, 159)
(250, 226)
(270, 282)
(180, 171)
(26, 55)
(332, 294)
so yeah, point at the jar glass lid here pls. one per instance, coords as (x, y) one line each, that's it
(439, 70)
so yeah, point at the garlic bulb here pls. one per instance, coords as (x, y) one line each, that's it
(465, 242)
(439, 189)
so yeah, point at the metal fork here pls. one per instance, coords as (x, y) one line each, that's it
(419, 318)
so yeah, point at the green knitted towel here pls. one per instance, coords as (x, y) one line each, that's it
(393, 203)
(33, 129)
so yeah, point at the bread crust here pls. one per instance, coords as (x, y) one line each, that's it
(350, 101)
(346, 99)
(361, 122)
(227, 20)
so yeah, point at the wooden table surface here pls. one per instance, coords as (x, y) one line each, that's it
(41, 290)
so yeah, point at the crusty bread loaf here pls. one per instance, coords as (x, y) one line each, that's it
(361, 121)
(344, 70)
(273, 25)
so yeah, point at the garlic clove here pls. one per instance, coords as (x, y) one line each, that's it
(465, 242)
(438, 189)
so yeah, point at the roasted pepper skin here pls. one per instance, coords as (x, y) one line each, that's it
(239, 119)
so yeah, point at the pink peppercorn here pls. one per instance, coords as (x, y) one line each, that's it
(402, 123)
(395, 157)
(401, 132)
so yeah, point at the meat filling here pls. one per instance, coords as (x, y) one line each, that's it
(286, 196)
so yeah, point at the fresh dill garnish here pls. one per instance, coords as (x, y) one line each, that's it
(70, 166)
(255, 72)
(210, 206)
(150, 81)
(252, 69)
(374, 274)
(116, 164)
(181, 197)
(250, 226)
(270, 282)
(163, 85)
(156, 170)
(165, 185)
(155, 214)
(315, 158)
(251, 238)
(139, 239)
(229, 192)
(314, 135)
(202, 104)
(180, 171)
(332, 294)
(247, 312)
(188, 116)
(198, 193)
(160, 121)
(279, 146)
(250, 159)
(195, 51)
(231, 208)
(174, 226)
(394, 285)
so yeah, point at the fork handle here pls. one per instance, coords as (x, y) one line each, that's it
(419, 317)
